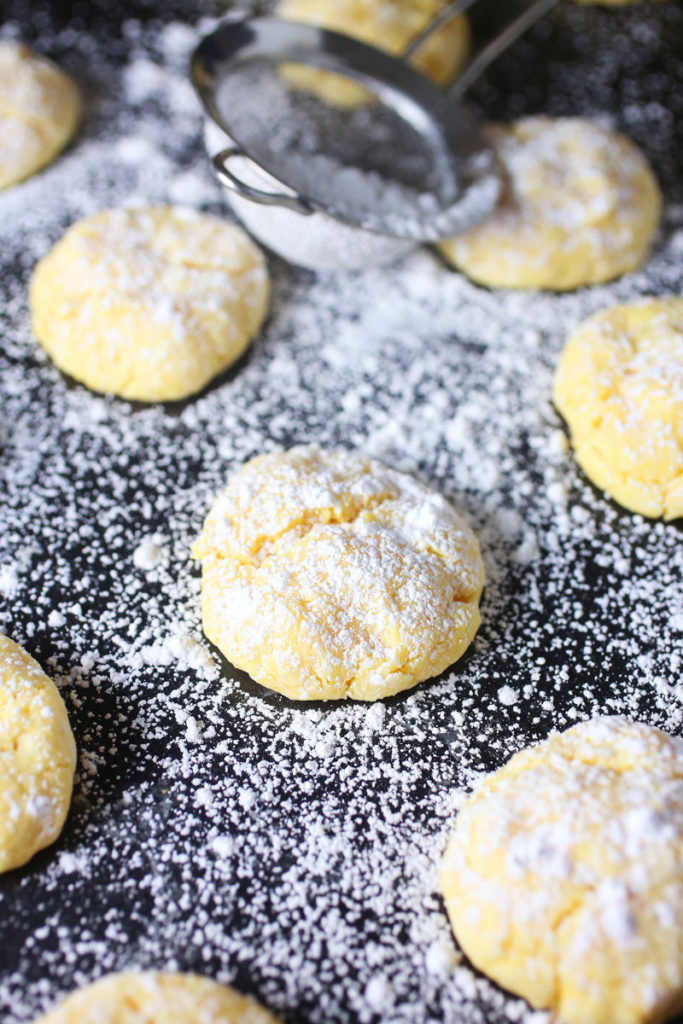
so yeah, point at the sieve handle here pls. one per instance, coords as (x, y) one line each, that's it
(228, 178)
(446, 14)
(512, 31)
(534, 10)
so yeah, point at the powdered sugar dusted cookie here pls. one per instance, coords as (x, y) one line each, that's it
(39, 112)
(580, 206)
(563, 879)
(149, 303)
(619, 385)
(151, 997)
(327, 575)
(37, 757)
(388, 24)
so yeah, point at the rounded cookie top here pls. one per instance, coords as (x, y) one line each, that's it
(563, 879)
(149, 303)
(388, 24)
(619, 385)
(39, 112)
(327, 575)
(152, 997)
(580, 205)
(37, 757)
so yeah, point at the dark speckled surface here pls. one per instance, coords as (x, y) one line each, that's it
(221, 828)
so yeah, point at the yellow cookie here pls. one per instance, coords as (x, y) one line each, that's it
(327, 575)
(37, 758)
(39, 112)
(619, 385)
(151, 997)
(580, 206)
(149, 303)
(388, 24)
(563, 879)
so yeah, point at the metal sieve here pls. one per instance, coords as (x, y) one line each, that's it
(334, 184)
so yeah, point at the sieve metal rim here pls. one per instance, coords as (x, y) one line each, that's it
(396, 83)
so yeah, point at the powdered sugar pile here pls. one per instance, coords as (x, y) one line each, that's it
(292, 849)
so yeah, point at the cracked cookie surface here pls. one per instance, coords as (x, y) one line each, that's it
(619, 386)
(563, 879)
(326, 575)
(37, 757)
(579, 206)
(151, 997)
(39, 112)
(149, 303)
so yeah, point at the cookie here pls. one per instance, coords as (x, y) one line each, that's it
(327, 575)
(37, 758)
(39, 112)
(619, 385)
(152, 997)
(388, 24)
(563, 879)
(149, 303)
(580, 205)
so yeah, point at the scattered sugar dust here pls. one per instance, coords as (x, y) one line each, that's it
(216, 827)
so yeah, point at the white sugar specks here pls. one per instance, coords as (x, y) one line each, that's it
(150, 553)
(180, 650)
(223, 846)
(193, 730)
(72, 863)
(379, 994)
(142, 78)
(507, 695)
(9, 580)
(192, 187)
(441, 958)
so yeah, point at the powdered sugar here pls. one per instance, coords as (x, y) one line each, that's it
(150, 553)
(9, 581)
(507, 695)
(338, 814)
(573, 170)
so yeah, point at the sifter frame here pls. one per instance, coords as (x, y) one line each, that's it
(447, 124)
